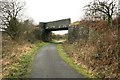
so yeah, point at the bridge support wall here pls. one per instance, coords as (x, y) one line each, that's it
(46, 36)
(77, 33)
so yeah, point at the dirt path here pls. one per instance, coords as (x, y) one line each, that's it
(48, 64)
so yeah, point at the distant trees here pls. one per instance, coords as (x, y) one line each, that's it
(9, 13)
(105, 9)
(59, 37)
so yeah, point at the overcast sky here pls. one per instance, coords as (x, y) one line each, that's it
(51, 10)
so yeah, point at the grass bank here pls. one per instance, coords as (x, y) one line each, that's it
(70, 61)
(22, 68)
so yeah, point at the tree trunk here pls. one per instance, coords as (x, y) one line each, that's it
(110, 22)
(10, 35)
(118, 38)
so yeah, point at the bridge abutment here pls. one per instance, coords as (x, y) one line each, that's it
(46, 36)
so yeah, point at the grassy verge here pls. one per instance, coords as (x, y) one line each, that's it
(70, 61)
(22, 68)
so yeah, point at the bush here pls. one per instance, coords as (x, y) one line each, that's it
(29, 32)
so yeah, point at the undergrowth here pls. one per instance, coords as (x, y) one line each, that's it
(85, 72)
(99, 52)
(20, 65)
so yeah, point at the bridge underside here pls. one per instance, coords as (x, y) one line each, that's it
(47, 34)
(57, 29)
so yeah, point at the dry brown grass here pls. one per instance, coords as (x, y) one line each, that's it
(100, 55)
(12, 52)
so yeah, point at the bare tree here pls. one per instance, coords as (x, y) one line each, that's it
(9, 11)
(107, 8)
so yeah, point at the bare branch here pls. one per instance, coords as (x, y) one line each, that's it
(9, 11)
(101, 7)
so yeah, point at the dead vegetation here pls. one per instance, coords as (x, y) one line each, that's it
(12, 52)
(100, 53)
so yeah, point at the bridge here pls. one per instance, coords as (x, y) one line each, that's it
(47, 27)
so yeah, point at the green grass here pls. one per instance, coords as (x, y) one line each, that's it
(23, 67)
(70, 61)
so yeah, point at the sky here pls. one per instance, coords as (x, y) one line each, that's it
(51, 10)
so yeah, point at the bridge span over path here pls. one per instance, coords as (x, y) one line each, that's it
(47, 27)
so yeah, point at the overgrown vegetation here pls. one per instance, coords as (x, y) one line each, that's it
(85, 72)
(99, 53)
(22, 66)
(17, 56)
(20, 39)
